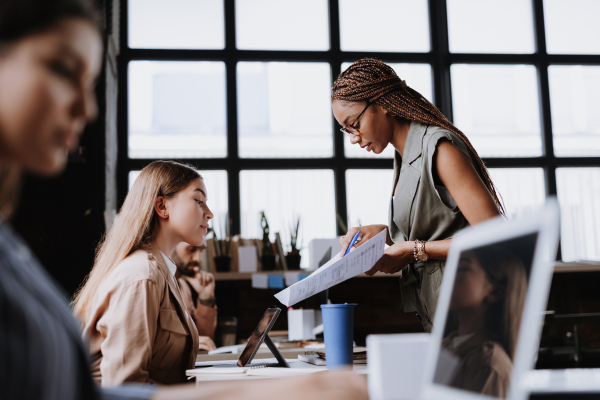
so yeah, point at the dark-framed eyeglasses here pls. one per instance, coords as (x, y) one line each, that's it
(351, 130)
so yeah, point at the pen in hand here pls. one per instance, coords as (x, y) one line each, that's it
(352, 242)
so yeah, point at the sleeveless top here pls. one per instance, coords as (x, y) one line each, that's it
(417, 211)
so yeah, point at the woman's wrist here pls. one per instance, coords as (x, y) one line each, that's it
(410, 249)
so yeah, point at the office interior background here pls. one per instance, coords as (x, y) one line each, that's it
(241, 90)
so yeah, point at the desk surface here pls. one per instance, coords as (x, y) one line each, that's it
(291, 356)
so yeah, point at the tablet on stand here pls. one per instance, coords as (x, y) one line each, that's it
(260, 335)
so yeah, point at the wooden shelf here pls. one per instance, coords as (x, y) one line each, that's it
(560, 267)
(579, 266)
(243, 276)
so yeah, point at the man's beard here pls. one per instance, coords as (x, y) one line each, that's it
(188, 269)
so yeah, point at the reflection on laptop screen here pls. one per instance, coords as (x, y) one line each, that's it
(484, 317)
(257, 337)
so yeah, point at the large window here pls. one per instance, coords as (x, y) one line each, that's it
(240, 89)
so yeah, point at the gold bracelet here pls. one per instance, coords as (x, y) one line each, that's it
(415, 250)
(419, 250)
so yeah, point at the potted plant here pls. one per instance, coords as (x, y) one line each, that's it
(292, 258)
(222, 248)
(267, 258)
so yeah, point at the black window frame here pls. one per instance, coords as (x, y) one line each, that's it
(439, 57)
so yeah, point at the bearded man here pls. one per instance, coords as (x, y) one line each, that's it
(198, 291)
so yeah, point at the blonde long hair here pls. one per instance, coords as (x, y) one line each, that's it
(136, 226)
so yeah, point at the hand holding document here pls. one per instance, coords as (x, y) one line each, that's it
(337, 270)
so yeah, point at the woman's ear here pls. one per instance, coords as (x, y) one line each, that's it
(161, 207)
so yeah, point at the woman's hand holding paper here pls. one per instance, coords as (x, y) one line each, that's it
(366, 233)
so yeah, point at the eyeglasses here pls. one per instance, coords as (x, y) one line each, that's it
(351, 131)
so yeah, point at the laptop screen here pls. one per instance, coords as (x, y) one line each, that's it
(484, 316)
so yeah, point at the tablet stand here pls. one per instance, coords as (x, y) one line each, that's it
(281, 361)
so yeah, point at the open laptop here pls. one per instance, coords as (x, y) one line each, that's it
(490, 309)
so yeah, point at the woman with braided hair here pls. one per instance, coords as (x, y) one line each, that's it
(440, 183)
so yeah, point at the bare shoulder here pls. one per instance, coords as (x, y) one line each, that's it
(451, 164)
(447, 155)
(453, 169)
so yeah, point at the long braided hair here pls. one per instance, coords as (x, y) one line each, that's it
(376, 82)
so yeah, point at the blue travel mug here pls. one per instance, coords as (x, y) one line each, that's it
(338, 329)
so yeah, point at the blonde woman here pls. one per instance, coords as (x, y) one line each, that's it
(135, 319)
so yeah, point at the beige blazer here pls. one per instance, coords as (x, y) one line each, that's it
(138, 327)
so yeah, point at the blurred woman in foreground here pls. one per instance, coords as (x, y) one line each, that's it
(50, 57)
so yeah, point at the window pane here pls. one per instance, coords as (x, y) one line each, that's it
(572, 26)
(284, 110)
(578, 194)
(216, 187)
(368, 194)
(384, 25)
(418, 77)
(575, 101)
(500, 26)
(176, 24)
(283, 195)
(177, 109)
(282, 25)
(497, 107)
(522, 189)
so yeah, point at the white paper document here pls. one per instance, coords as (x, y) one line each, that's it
(337, 270)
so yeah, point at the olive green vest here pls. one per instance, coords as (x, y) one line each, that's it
(418, 212)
